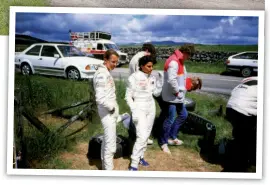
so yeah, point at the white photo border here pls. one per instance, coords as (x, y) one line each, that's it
(160, 174)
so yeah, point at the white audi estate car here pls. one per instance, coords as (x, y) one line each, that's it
(245, 62)
(56, 60)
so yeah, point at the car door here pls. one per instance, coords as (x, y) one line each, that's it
(32, 56)
(49, 63)
(246, 59)
(253, 60)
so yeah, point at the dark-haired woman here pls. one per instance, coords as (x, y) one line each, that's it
(142, 85)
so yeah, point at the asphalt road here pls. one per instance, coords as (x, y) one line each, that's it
(211, 82)
(173, 4)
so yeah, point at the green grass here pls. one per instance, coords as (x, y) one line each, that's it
(226, 48)
(4, 11)
(42, 93)
(194, 67)
(202, 47)
(197, 67)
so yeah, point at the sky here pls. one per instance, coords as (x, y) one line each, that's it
(142, 28)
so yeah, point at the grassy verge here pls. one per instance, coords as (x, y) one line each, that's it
(202, 47)
(194, 67)
(43, 93)
(4, 11)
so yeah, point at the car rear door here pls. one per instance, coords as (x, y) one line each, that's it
(49, 64)
(32, 56)
(246, 59)
(251, 60)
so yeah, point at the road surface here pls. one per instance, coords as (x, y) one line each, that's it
(173, 4)
(211, 82)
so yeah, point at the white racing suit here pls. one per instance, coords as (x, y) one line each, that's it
(134, 62)
(244, 97)
(106, 101)
(139, 96)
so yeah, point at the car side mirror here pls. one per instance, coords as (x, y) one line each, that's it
(56, 56)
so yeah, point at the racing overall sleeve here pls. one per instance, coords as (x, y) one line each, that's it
(129, 93)
(100, 85)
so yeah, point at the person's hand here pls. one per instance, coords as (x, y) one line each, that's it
(196, 83)
(179, 95)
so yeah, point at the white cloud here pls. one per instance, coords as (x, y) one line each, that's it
(229, 20)
(27, 33)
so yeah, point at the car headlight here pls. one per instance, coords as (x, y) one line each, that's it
(91, 67)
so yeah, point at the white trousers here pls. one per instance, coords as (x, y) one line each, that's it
(108, 147)
(143, 122)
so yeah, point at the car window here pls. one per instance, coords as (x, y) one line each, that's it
(252, 56)
(111, 46)
(99, 46)
(48, 51)
(34, 51)
(70, 51)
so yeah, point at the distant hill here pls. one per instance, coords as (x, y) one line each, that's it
(26, 39)
(157, 43)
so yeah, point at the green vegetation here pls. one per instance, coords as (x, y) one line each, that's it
(42, 93)
(194, 67)
(202, 47)
(4, 11)
(204, 67)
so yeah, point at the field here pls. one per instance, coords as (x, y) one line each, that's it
(57, 152)
(202, 47)
(198, 66)
(194, 67)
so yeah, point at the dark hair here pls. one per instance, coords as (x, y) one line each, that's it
(109, 53)
(150, 48)
(188, 48)
(145, 59)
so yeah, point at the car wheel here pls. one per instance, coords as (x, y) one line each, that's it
(26, 69)
(190, 104)
(246, 72)
(73, 74)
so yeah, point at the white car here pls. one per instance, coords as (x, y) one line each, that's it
(57, 60)
(245, 63)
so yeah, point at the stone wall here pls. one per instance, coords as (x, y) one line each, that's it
(199, 56)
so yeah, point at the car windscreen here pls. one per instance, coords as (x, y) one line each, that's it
(70, 51)
(111, 46)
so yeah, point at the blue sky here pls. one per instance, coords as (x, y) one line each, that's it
(138, 29)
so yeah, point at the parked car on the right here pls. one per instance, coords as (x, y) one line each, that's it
(245, 62)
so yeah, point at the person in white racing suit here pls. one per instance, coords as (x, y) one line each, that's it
(147, 49)
(241, 112)
(139, 96)
(107, 106)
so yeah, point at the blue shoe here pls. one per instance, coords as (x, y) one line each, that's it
(132, 169)
(143, 162)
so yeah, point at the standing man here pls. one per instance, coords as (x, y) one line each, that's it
(107, 106)
(174, 88)
(147, 49)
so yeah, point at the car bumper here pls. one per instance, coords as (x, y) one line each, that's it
(123, 61)
(232, 68)
(87, 74)
(17, 65)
